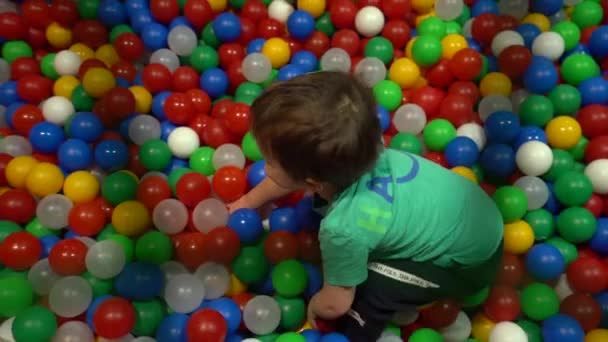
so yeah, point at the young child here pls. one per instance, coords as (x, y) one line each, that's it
(400, 231)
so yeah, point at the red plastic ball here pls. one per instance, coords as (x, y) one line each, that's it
(91, 33)
(593, 120)
(114, 318)
(308, 246)
(514, 61)
(152, 190)
(595, 205)
(37, 40)
(280, 246)
(270, 28)
(215, 133)
(34, 88)
(222, 245)
(20, 250)
(185, 78)
(457, 109)
(466, 64)
(436, 157)
(36, 13)
(317, 43)
(178, 108)
(442, 313)
(584, 309)
(17, 205)
(248, 31)
(342, 13)
(88, 64)
(86, 219)
(238, 119)
(4, 160)
(129, 46)
(396, 9)
(190, 249)
(12, 26)
(124, 70)
(206, 325)
(229, 53)
(397, 32)
(192, 188)
(164, 10)
(587, 275)
(235, 75)
(199, 124)
(198, 13)
(295, 45)
(511, 271)
(200, 100)
(221, 108)
(502, 304)
(119, 102)
(348, 40)
(429, 99)
(64, 12)
(255, 10)
(485, 27)
(439, 75)
(597, 148)
(156, 78)
(23, 66)
(67, 257)
(229, 183)
(465, 88)
(105, 206)
(25, 118)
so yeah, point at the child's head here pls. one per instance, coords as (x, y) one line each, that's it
(317, 128)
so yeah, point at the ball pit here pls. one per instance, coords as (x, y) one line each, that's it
(124, 132)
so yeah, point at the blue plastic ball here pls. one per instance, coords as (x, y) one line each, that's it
(111, 13)
(214, 81)
(256, 173)
(10, 112)
(306, 60)
(473, 44)
(541, 75)
(247, 223)
(255, 45)
(599, 241)
(48, 242)
(289, 71)
(311, 335)
(593, 90)
(334, 337)
(306, 216)
(502, 127)
(529, 133)
(132, 5)
(154, 36)
(602, 300)
(75, 154)
(46, 137)
(264, 287)
(229, 309)
(498, 160)
(166, 127)
(562, 328)
(384, 117)
(138, 79)
(180, 21)
(315, 280)
(492, 63)
(484, 6)
(283, 219)
(547, 7)
(157, 105)
(529, 32)
(227, 27)
(140, 281)
(8, 93)
(233, 338)
(598, 43)
(545, 262)
(112, 154)
(578, 48)
(175, 164)
(121, 82)
(172, 328)
(123, 128)
(140, 18)
(93, 307)
(553, 206)
(461, 151)
(300, 24)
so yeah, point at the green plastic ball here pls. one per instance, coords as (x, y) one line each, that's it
(426, 335)
(155, 155)
(388, 94)
(536, 110)
(250, 266)
(88, 8)
(201, 160)
(531, 329)
(576, 224)
(573, 188)
(426, 50)
(587, 13)
(406, 142)
(293, 312)
(453, 27)
(432, 26)
(476, 299)
(289, 278)
(34, 324)
(569, 32)
(579, 67)
(566, 249)
(175, 175)
(562, 162)
(380, 48)
(512, 203)
(204, 57)
(81, 99)
(539, 301)
(47, 68)
(542, 223)
(325, 25)
(16, 294)
(11, 50)
(100, 287)
(209, 36)
(118, 30)
(148, 316)
(127, 245)
(248, 89)
(250, 148)
(154, 247)
(7, 228)
(578, 151)
(566, 99)
(38, 230)
(291, 337)
(119, 187)
(438, 133)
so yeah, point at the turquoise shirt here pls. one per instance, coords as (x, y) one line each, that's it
(407, 207)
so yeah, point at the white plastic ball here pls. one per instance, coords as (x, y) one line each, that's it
(70, 296)
(507, 332)
(182, 40)
(473, 131)
(493, 103)
(105, 259)
(536, 191)
(183, 141)
(549, 44)
(6, 330)
(15, 146)
(172, 268)
(67, 62)
(88, 241)
(459, 330)
(165, 57)
(562, 288)
(515, 8)
(369, 21)
(597, 172)
(256, 67)
(184, 293)
(5, 71)
(228, 155)
(57, 109)
(262, 315)
(558, 17)
(143, 128)
(370, 70)
(53, 210)
(409, 118)
(335, 59)
(534, 158)
(208, 214)
(280, 10)
(73, 331)
(215, 279)
(170, 216)
(42, 277)
(467, 28)
(448, 9)
(518, 97)
(505, 39)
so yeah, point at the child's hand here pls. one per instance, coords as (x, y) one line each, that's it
(241, 203)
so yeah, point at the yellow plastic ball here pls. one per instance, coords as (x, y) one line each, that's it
(277, 51)
(44, 179)
(305, 326)
(481, 327)
(131, 218)
(421, 18)
(451, 44)
(563, 132)
(315, 7)
(83, 51)
(235, 286)
(58, 36)
(81, 186)
(218, 5)
(541, 21)
(421, 82)
(107, 54)
(597, 335)
(495, 83)
(408, 48)
(404, 72)
(17, 170)
(518, 237)
(143, 99)
(4, 189)
(423, 6)
(98, 81)
(466, 173)
(65, 85)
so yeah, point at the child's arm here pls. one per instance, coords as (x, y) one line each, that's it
(263, 193)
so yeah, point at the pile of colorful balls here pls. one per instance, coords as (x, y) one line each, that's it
(124, 133)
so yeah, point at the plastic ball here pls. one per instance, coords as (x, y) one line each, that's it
(53, 210)
(300, 24)
(506, 39)
(597, 172)
(207, 325)
(227, 27)
(548, 44)
(67, 62)
(81, 186)
(578, 67)
(507, 332)
(449, 9)
(545, 262)
(183, 141)
(143, 128)
(562, 327)
(70, 296)
(57, 110)
(563, 132)
(215, 278)
(165, 57)
(534, 158)
(170, 216)
(44, 179)
(105, 259)
(370, 71)
(261, 315)
(518, 238)
(98, 81)
(335, 59)
(209, 214)
(184, 293)
(369, 21)
(130, 218)
(536, 191)
(277, 51)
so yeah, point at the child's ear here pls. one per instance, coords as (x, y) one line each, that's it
(313, 184)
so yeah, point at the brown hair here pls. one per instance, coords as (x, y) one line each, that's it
(322, 126)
